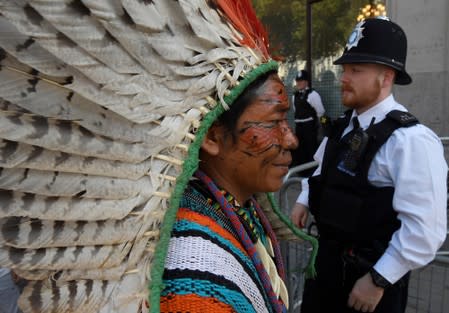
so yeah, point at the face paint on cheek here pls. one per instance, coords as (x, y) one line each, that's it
(258, 139)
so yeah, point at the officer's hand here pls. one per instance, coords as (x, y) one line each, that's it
(365, 295)
(299, 215)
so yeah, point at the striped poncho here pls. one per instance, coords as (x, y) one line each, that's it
(207, 268)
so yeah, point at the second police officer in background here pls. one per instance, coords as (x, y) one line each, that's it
(308, 109)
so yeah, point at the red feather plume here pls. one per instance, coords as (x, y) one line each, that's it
(243, 17)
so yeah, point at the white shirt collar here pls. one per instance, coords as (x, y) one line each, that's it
(379, 111)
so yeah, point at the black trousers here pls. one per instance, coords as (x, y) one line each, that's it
(329, 291)
(307, 134)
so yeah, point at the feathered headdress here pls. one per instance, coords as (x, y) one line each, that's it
(103, 107)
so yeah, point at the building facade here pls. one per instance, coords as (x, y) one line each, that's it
(426, 23)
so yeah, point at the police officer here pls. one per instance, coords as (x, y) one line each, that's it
(308, 108)
(379, 194)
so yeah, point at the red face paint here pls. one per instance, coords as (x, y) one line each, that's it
(262, 136)
(266, 127)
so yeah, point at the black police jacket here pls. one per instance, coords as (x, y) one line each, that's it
(347, 208)
(303, 109)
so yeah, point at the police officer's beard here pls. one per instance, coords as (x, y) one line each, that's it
(362, 98)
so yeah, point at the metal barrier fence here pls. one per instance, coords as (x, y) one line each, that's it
(429, 286)
(295, 254)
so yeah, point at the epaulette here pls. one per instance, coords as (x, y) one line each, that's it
(405, 119)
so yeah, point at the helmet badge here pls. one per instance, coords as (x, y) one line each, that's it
(355, 36)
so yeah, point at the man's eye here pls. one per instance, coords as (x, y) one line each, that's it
(281, 121)
(269, 124)
(273, 123)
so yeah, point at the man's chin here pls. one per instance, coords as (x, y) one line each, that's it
(348, 104)
(347, 98)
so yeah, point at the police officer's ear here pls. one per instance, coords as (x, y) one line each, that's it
(389, 76)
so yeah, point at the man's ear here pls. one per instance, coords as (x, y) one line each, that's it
(212, 140)
(389, 76)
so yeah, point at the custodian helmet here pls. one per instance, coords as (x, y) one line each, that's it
(378, 40)
(302, 75)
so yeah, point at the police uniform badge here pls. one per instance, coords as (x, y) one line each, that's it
(355, 36)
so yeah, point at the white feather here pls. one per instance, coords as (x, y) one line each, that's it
(27, 233)
(27, 51)
(20, 155)
(67, 208)
(60, 45)
(112, 16)
(68, 184)
(85, 296)
(68, 137)
(145, 14)
(85, 257)
(205, 22)
(71, 18)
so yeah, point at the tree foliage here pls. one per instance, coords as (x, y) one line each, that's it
(332, 21)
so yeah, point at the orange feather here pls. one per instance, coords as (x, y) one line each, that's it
(243, 17)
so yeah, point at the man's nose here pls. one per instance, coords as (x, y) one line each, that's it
(344, 77)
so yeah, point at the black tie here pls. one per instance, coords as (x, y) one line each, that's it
(355, 122)
(355, 142)
(355, 125)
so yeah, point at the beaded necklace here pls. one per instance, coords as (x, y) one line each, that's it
(248, 216)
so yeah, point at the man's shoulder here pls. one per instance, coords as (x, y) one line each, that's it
(410, 124)
(403, 118)
(416, 135)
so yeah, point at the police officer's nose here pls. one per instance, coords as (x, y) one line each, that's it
(289, 139)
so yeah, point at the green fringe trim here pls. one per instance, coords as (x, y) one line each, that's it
(190, 165)
(309, 270)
